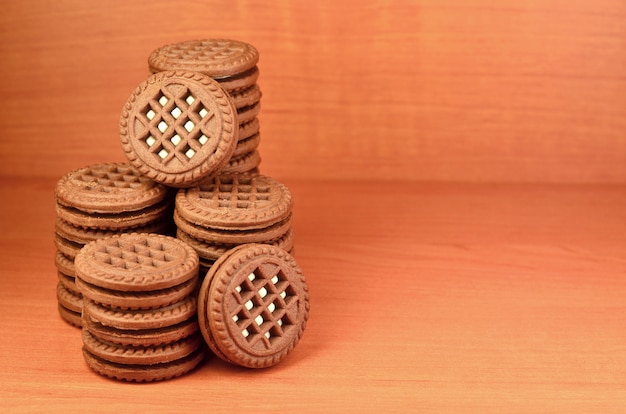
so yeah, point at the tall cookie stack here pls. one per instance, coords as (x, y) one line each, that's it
(233, 64)
(233, 209)
(139, 311)
(97, 201)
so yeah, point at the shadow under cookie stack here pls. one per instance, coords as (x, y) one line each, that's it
(186, 250)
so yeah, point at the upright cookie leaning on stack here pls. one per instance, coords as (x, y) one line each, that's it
(233, 64)
(178, 128)
(97, 201)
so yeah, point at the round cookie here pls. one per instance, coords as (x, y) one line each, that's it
(114, 221)
(140, 355)
(69, 316)
(64, 264)
(247, 97)
(243, 164)
(137, 300)
(210, 252)
(69, 299)
(253, 305)
(247, 145)
(136, 262)
(237, 201)
(179, 127)
(248, 113)
(141, 318)
(69, 305)
(248, 129)
(235, 236)
(84, 235)
(67, 247)
(140, 337)
(68, 282)
(144, 373)
(108, 188)
(239, 81)
(217, 58)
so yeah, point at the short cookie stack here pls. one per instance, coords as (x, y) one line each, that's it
(233, 64)
(139, 310)
(233, 209)
(97, 201)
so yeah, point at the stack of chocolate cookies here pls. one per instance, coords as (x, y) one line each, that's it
(233, 64)
(233, 209)
(190, 132)
(97, 201)
(139, 310)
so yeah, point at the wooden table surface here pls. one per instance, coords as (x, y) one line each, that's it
(429, 297)
(459, 177)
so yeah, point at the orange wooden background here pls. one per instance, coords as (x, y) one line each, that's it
(477, 90)
(430, 296)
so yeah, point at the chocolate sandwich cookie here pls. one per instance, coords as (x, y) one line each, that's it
(69, 305)
(247, 97)
(239, 81)
(68, 299)
(140, 337)
(115, 221)
(64, 264)
(69, 316)
(217, 58)
(108, 188)
(248, 129)
(210, 252)
(66, 272)
(141, 372)
(139, 355)
(245, 147)
(179, 127)
(67, 247)
(137, 300)
(245, 163)
(136, 262)
(233, 236)
(83, 235)
(137, 319)
(253, 306)
(237, 201)
(109, 196)
(248, 113)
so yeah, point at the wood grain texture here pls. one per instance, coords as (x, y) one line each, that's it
(482, 90)
(424, 297)
(458, 172)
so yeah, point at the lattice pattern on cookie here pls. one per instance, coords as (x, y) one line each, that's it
(111, 177)
(177, 125)
(208, 50)
(236, 192)
(142, 254)
(264, 307)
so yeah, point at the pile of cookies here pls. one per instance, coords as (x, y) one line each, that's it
(139, 306)
(189, 218)
(99, 201)
(233, 209)
(234, 66)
